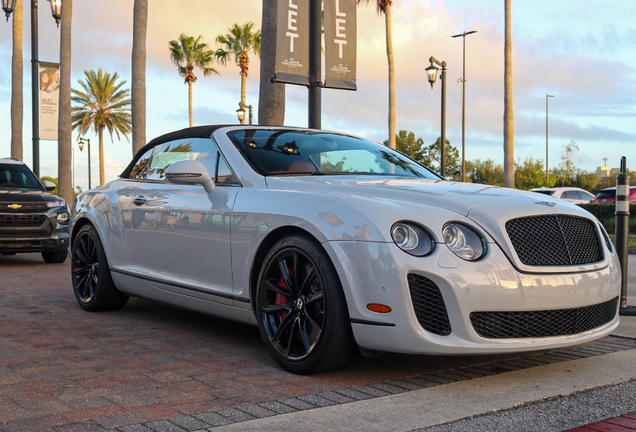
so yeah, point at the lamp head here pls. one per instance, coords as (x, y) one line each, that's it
(56, 10)
(8, 6)
(431, 73)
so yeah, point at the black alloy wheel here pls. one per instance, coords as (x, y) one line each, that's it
(301, 309)
(92, 283)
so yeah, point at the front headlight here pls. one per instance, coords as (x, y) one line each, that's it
(62, 218)
(56, 203)
(463, 241)
(412, 239)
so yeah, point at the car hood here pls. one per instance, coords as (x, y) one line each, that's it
(18, 196)
(468, 199)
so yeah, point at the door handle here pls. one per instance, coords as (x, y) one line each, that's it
(139, 200)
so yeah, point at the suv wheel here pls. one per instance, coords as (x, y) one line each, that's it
(55, 257)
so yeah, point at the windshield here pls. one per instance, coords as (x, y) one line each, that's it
(545, 192)
(20, 177)
(286, 152)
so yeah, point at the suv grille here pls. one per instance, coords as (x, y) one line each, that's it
(554, 240)
(535, 324)
(24, 207)
(21, 220)
(428, 304)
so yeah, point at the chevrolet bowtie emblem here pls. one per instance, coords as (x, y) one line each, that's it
(14, 206)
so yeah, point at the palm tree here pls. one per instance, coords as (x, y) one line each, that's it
(17, 81)
(238, 42)
(509, 123)
(64, 137)
(101, 104)
(188, 52)
(384, 6)
(140, 26)
(271, 96)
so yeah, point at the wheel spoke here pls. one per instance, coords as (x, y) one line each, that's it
(290, 340)
(315, 297)
(289, 319)
(304, 336)
(278, 290)
(277, 308)
(287, 278)
(308, 279)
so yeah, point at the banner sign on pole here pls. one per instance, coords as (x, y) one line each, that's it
(49, 98)
(292, 42)
(340, 44)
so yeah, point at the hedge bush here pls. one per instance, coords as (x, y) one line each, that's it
(605, 213)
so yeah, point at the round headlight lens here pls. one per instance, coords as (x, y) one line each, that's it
(62, 218)
(412, 239)
(463, 241)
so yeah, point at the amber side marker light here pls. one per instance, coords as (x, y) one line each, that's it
(379, 308)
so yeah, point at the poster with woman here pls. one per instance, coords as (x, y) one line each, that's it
(49, 98)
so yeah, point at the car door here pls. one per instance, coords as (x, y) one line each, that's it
(181, 233)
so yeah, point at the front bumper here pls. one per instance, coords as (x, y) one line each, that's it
(19, 233)
(378, 273)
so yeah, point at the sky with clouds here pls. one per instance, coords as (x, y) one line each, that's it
(582, 52)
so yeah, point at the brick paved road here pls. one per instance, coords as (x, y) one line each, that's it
(153, 367)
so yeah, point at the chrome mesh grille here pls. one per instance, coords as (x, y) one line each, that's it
(555, 240)
(21, 220)
(428, 304)
(535, 324)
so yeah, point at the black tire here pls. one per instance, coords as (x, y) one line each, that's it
(56, 257)
(301, 309)
(92, 282)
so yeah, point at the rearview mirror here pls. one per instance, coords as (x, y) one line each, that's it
(190, 172)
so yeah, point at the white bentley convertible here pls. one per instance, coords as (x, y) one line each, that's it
(332, 244)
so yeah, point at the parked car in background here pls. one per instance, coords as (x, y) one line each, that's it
(572, 194)
(31, 218)
(330, 243)
(608, 196)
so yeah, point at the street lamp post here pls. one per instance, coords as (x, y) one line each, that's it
(431, 72)
(463, 81)
(546, 137)
(240, 113)
(8, 6)
(80, 144)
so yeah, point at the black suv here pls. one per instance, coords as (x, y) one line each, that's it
(31, 218)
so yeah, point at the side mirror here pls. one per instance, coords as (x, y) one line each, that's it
(48, 185)
(190, 172)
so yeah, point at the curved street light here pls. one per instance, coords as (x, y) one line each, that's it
(463, 81)
(80, 144)
(8, 6)
(240, 113)
(431, 73)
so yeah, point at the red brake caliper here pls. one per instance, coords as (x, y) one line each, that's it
(280, 299)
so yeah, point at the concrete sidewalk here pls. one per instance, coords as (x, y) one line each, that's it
(446, 404)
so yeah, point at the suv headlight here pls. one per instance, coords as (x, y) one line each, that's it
(56, 203)
(412, 239)
(463, 241)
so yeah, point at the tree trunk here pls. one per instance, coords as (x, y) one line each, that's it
(271, 96)
(509, 126)
(64, 130)
(17, 81)
(190, 101)
(243, 93)
(101, 156)
(138, 88)
(389, 55)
